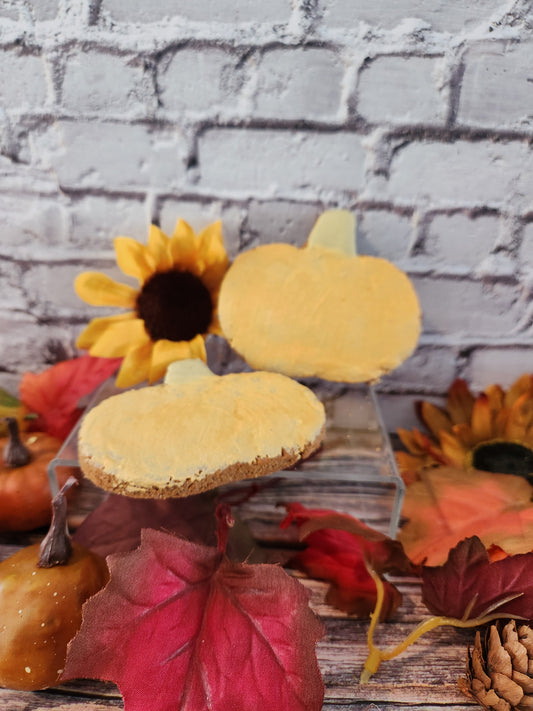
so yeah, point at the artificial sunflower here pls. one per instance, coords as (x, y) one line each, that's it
(492, 432)
(173, 308)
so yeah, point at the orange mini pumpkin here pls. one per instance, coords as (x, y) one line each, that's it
(322, 310)
(25, 497)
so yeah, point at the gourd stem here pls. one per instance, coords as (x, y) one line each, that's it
(15, 453)
(376, 655)
(56, 547)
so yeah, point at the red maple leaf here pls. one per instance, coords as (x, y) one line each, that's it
(469, 576)
(179, 626)
(337, 547)
(54, 395)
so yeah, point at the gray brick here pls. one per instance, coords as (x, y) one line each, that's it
(96, 220)
(279, 221)
(27, 345)
(402, 90)
(43, 9)
(111, 155)
(440, 15)
(462, 173)
(496, 88)
(223, 11)
(104, 83)
(265, 162)
(461, 240)
(429, 368)
(199, 79)
(384, 234)
(30, 221)
(22, 81)
(498, 364)
(299, 83)
(526, 247)
(461, 308)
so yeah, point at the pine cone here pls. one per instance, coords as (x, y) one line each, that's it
(500, 669)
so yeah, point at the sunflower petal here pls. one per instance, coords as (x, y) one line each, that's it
(410, 441)
(197, 345)
(524, 384)
(460, 401)
(212, 277)
(453, 450)
(119, 337)
(97, 326)
(159, 249)
(433, 417)
(500, 422)
(463, 432)
(99, 289)
(409, 462)
(136, 365)
(211, 248)
(184, 247)
(166, 352)
(520, 418)
(482, 419)
(133, 258)
(496, 396)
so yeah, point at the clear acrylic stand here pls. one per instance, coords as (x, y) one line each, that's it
(354, 472)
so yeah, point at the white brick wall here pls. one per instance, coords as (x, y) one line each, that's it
(414, 114)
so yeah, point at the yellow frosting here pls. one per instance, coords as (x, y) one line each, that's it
(320, 310)
(196, 424)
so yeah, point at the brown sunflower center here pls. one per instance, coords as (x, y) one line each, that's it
(504, 458)
(175, 305)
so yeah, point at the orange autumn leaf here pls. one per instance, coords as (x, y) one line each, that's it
(54, 394)
(448, 504)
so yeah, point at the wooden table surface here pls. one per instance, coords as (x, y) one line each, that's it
(423, 677)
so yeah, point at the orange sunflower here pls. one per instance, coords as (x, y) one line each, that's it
(169, 313)
(492, 432)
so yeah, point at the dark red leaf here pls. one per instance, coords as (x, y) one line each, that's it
(469, 575)
(180, 627)
(337, 547)
(115, 526)
(54, 395)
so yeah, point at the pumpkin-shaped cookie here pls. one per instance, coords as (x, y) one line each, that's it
(321, 310)
(198, 430)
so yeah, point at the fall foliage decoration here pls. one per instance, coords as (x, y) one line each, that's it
(196, 631)
(42, 590)
(467, 591)
(339, 549)
(492, 431)
(321, 310)
(470, 579)
(171, 310)
(376, 655)
(447, 504)
(54, 394)
(499, 671)
(115, 525)
(25, 498)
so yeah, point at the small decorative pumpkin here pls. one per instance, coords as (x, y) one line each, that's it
(42, 590)
(25, 498)
(322, 310)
